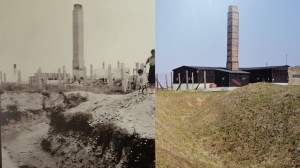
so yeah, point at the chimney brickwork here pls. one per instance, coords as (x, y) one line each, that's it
(78, 46)
(232, 39)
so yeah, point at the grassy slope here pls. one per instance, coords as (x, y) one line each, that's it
(254, 126)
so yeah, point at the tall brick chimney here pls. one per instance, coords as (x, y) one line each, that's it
(232, 38)
(78, 59)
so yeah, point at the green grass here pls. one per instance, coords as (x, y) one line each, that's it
(253, 126)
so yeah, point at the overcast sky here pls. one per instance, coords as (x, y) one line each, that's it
(38, 33)
(194, 32)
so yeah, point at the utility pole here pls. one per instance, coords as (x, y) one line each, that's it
(286, 59)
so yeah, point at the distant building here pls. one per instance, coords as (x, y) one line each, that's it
(226, 78)
(272, 74)
(294, 75)
(218, 75)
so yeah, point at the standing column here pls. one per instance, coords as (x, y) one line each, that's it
(124, 79)
(4, 77)
(78, 42)
(59, 76)
(91, 72)
(109, 75)
(15, 72)
(179, 81)
(204, 76)
(19, 76)
(84, 76)
(0, 77)
(187, 80)
(232, 38)
(192, 80)
(104, 75)
(39, 79)
(137, 68)
(171, 80)
(64, 75)
(122, 71)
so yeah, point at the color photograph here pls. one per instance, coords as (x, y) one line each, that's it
(228, 79)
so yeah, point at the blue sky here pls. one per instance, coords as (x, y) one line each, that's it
(194, 32)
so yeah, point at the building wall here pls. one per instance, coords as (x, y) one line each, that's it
(237, 80)
(225, 79)
(198, 75)
(280, 75)
(221, 79)
(264, 75)
(272, 75)
(294, 75)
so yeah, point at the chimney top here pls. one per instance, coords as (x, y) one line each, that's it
(78, 6)
(232, 8)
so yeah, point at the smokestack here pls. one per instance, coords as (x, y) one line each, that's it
(78, 59)
(232, 38)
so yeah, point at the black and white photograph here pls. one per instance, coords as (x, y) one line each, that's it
(77, 83)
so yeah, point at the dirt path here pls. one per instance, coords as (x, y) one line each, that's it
(22, 146)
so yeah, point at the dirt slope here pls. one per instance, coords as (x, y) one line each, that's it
(83, 130)
(104, 131)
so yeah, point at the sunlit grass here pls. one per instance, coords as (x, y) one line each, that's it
(253, 126)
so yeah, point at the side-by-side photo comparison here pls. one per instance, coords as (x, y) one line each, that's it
(149, 84)
(77, 84)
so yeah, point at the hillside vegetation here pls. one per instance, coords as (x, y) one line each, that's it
(254, 126)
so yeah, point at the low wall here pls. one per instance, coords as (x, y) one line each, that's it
(294, 75)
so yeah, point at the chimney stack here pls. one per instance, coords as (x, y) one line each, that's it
(78, 59)
(232, 38)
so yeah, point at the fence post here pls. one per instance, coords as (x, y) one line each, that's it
(157, 81)
(187, 79)
(171, 80)
(167, 82)
(204, 75)
(109, 76)
(179, 80)
(192, 80)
